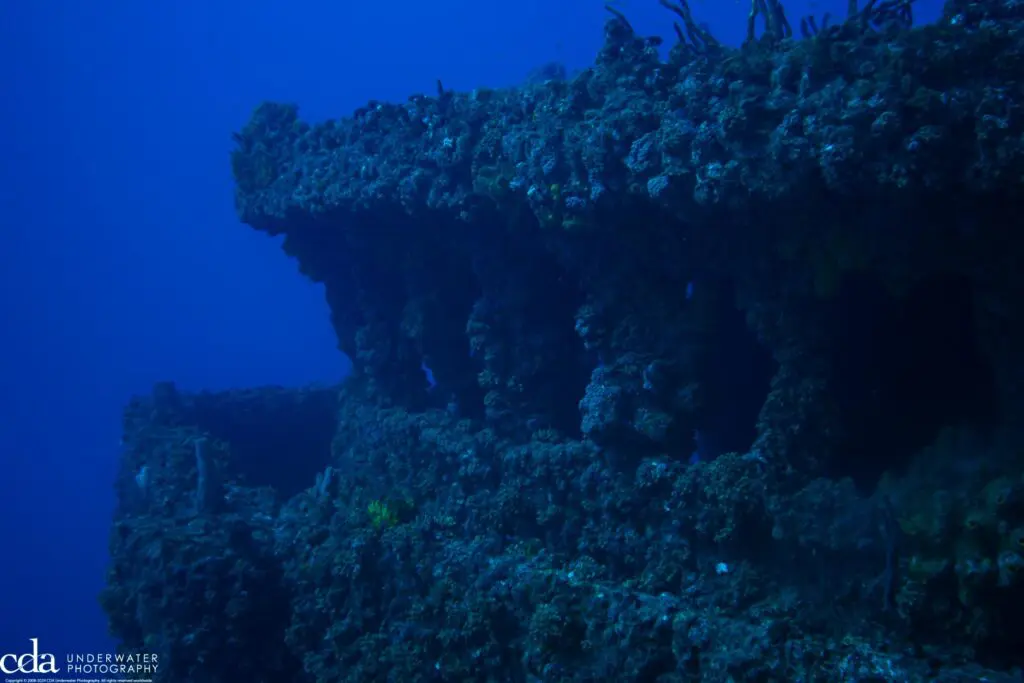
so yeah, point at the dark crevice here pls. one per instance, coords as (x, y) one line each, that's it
(399, 305)
(277, 438)
(562, 375)
(903, 369)
(736, 383)
(522, 331)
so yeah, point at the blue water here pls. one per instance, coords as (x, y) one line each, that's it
(122, 262)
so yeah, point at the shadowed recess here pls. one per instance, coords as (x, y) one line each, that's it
(905, 367)
(278, 439)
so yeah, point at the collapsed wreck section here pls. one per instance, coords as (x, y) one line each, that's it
(201, 480)
(182, 452)
(657, 360)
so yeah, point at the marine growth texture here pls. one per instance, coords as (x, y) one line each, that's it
(706, 368)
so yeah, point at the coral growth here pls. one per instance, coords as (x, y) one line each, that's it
(698, 369)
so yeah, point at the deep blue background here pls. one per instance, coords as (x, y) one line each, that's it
(122, 262)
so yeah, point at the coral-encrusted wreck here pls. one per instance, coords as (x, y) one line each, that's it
(706, 369)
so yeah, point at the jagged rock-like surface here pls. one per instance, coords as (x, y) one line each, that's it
(706, 369)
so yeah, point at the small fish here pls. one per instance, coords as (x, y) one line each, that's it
(429, 374)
